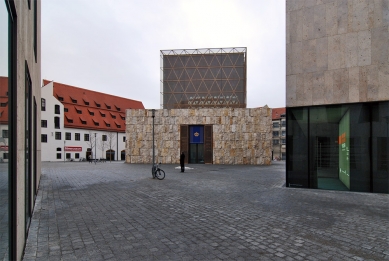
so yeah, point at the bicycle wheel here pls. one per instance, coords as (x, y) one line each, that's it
(160, 174)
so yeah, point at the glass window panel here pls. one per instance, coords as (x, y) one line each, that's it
(297, 147)
(380, 147)
(4, 141)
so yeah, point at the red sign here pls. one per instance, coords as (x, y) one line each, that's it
(3, 148)
(73, 148)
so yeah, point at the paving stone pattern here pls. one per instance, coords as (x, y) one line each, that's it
(115, 211)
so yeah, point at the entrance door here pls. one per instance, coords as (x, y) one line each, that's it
(196, 144)
(196, 153)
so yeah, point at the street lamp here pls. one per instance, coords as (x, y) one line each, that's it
(95, 148)
(153, 115)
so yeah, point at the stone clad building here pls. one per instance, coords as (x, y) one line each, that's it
(337, 95)
(211, 136)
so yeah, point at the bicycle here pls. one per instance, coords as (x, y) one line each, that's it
(157, 172)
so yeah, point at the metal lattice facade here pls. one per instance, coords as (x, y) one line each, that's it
(203, 78)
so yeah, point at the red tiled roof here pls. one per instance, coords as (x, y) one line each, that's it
(83, 97)
(276, 113)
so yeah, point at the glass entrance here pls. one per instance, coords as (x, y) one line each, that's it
(196, 144)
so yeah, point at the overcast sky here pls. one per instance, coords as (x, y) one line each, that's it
(113, 46)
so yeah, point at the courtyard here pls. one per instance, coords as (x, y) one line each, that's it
(116, 211)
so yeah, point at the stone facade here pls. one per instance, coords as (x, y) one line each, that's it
(240, 136)
(337, 51)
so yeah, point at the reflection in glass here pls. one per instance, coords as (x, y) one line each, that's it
(4, 178)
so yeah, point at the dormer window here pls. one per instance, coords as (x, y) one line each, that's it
(108, 106)
(117, 108)
(91, 112)
(113, 116)
(65, 109)
(97, 104)
(95, 122)
(118, 125)
(73, 100)
(102, 114)
(60, 98)
(86, 102)
(79, 111)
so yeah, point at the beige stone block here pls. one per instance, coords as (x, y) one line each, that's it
(342, 13)
(328, 87)
(331, 19)
(318, 88)
(340, 86)
(308, 23)
(353, 84)
(336, 52)
(372, 83)
(294, 4)
(308, 83)
(291, 90)
(379, 45)
(297, 58)
(319, 21)
(351, 49)
(360, 15)
(322, 54)
(309, 56)
(364, 48)
(296, 26)
(383, 82)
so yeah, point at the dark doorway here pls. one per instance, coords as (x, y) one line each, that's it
(196, 153)
(123, 155)
(110, 155)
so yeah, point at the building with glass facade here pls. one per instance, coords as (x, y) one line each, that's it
(203, 78)
(20, 82)
(337, 95)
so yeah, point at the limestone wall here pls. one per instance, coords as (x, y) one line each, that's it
(240, 136)
(337, 51)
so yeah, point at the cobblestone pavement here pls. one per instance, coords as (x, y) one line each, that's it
(115, 211)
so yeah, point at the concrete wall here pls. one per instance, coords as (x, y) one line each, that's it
(337, 51)
(240, 136)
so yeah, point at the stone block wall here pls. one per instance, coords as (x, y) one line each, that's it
(240, 136)
(337, 51)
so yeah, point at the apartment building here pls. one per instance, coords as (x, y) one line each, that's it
(279, 134)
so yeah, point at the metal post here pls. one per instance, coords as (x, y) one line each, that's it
(64, 142)
(153, 115)
(95, 149)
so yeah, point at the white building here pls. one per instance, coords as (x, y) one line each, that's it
(80, 124)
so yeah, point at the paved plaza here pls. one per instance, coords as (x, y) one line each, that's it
(116, 211)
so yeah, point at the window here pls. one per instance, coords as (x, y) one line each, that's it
(65, 109)
(86, 137)
(68, 155)
(44, 123)
(97, 104)
(59, 155)
(60, 98)
(56, 109)
(275, 133)
(104, 137)
(283, 141)
(56, 123)
(276, 142)
(96, 123)
(58, 135)
(68, 136)
(123, 118)
(113, 116)
(91, 113)
(283, 133)
(283, 123)
(124, 139)
(78, 111)
(77, 155)
(43, 104)
(3, 104)
(276, 124)
(117, 108)
(102, 114)
(5, 133)
(86, 102)
(108, 107)
(77, 136)
(5, 155)
(59, 149)
(73, 100)
(83, 122)
(44, 138)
